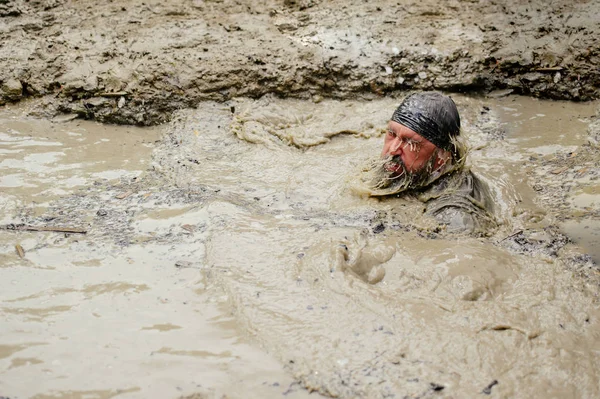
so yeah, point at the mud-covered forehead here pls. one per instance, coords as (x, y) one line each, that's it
(432, 115)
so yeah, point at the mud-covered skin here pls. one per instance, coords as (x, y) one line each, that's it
(138, 61)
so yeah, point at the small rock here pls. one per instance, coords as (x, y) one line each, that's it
(73, 86)
(121, 102)
(423, 75)
(286, 24)
(12, 89)
(499, 93)
(90, 83)
(62, 118)
(183, 264)
(96, 101)
(139, 117)
(102, 212)
(379, 228)
(557, 77)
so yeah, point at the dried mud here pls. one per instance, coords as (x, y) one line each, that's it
(138, 61)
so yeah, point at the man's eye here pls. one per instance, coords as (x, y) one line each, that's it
(390, 133)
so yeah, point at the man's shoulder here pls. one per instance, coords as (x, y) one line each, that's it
(462, 201)
(459, 182)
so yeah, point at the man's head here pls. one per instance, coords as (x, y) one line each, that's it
(420, 135)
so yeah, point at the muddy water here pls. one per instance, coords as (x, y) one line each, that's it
(42, 160)
(244, 263)
(541, 129)
(83, 318)
(353, 294)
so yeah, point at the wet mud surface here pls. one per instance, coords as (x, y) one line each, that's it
(138, 61)
(237, 260)
(120, 310)
(226, 253)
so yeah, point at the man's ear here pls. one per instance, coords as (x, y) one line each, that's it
(442, 158)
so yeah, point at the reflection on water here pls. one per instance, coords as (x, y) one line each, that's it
(40, 160)
(252, 235)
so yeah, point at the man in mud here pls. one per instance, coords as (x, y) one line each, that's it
(423, 157)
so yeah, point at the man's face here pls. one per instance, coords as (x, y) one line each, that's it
(406, 146)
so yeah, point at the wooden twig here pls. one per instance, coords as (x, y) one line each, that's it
(57, 229)
(512, 235)
(550, 69)
(115, 94)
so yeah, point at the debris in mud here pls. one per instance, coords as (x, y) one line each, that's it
(436, 387)
(188, 227)
(513, 235)
(182, 264)
(20, 251)
(558, 171)
(379, 228)
(547, 242)
(124, 195)
(488, 390)
(57, 229)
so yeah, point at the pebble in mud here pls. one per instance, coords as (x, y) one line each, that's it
(12, 89)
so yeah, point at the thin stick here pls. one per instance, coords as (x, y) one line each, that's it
(512, 235)
(56, 229)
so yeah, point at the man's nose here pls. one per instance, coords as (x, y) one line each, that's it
(396, 146)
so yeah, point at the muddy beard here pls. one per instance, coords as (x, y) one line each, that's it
(384, 181)
(376, 179)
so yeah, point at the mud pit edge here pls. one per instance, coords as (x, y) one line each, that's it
(153, 59)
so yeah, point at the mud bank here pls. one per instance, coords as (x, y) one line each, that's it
(136, 62)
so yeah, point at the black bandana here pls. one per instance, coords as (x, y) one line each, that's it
(432, 115)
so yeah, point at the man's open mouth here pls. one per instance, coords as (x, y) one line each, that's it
(394, 166)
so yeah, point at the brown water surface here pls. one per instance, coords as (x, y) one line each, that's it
(81, 318)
